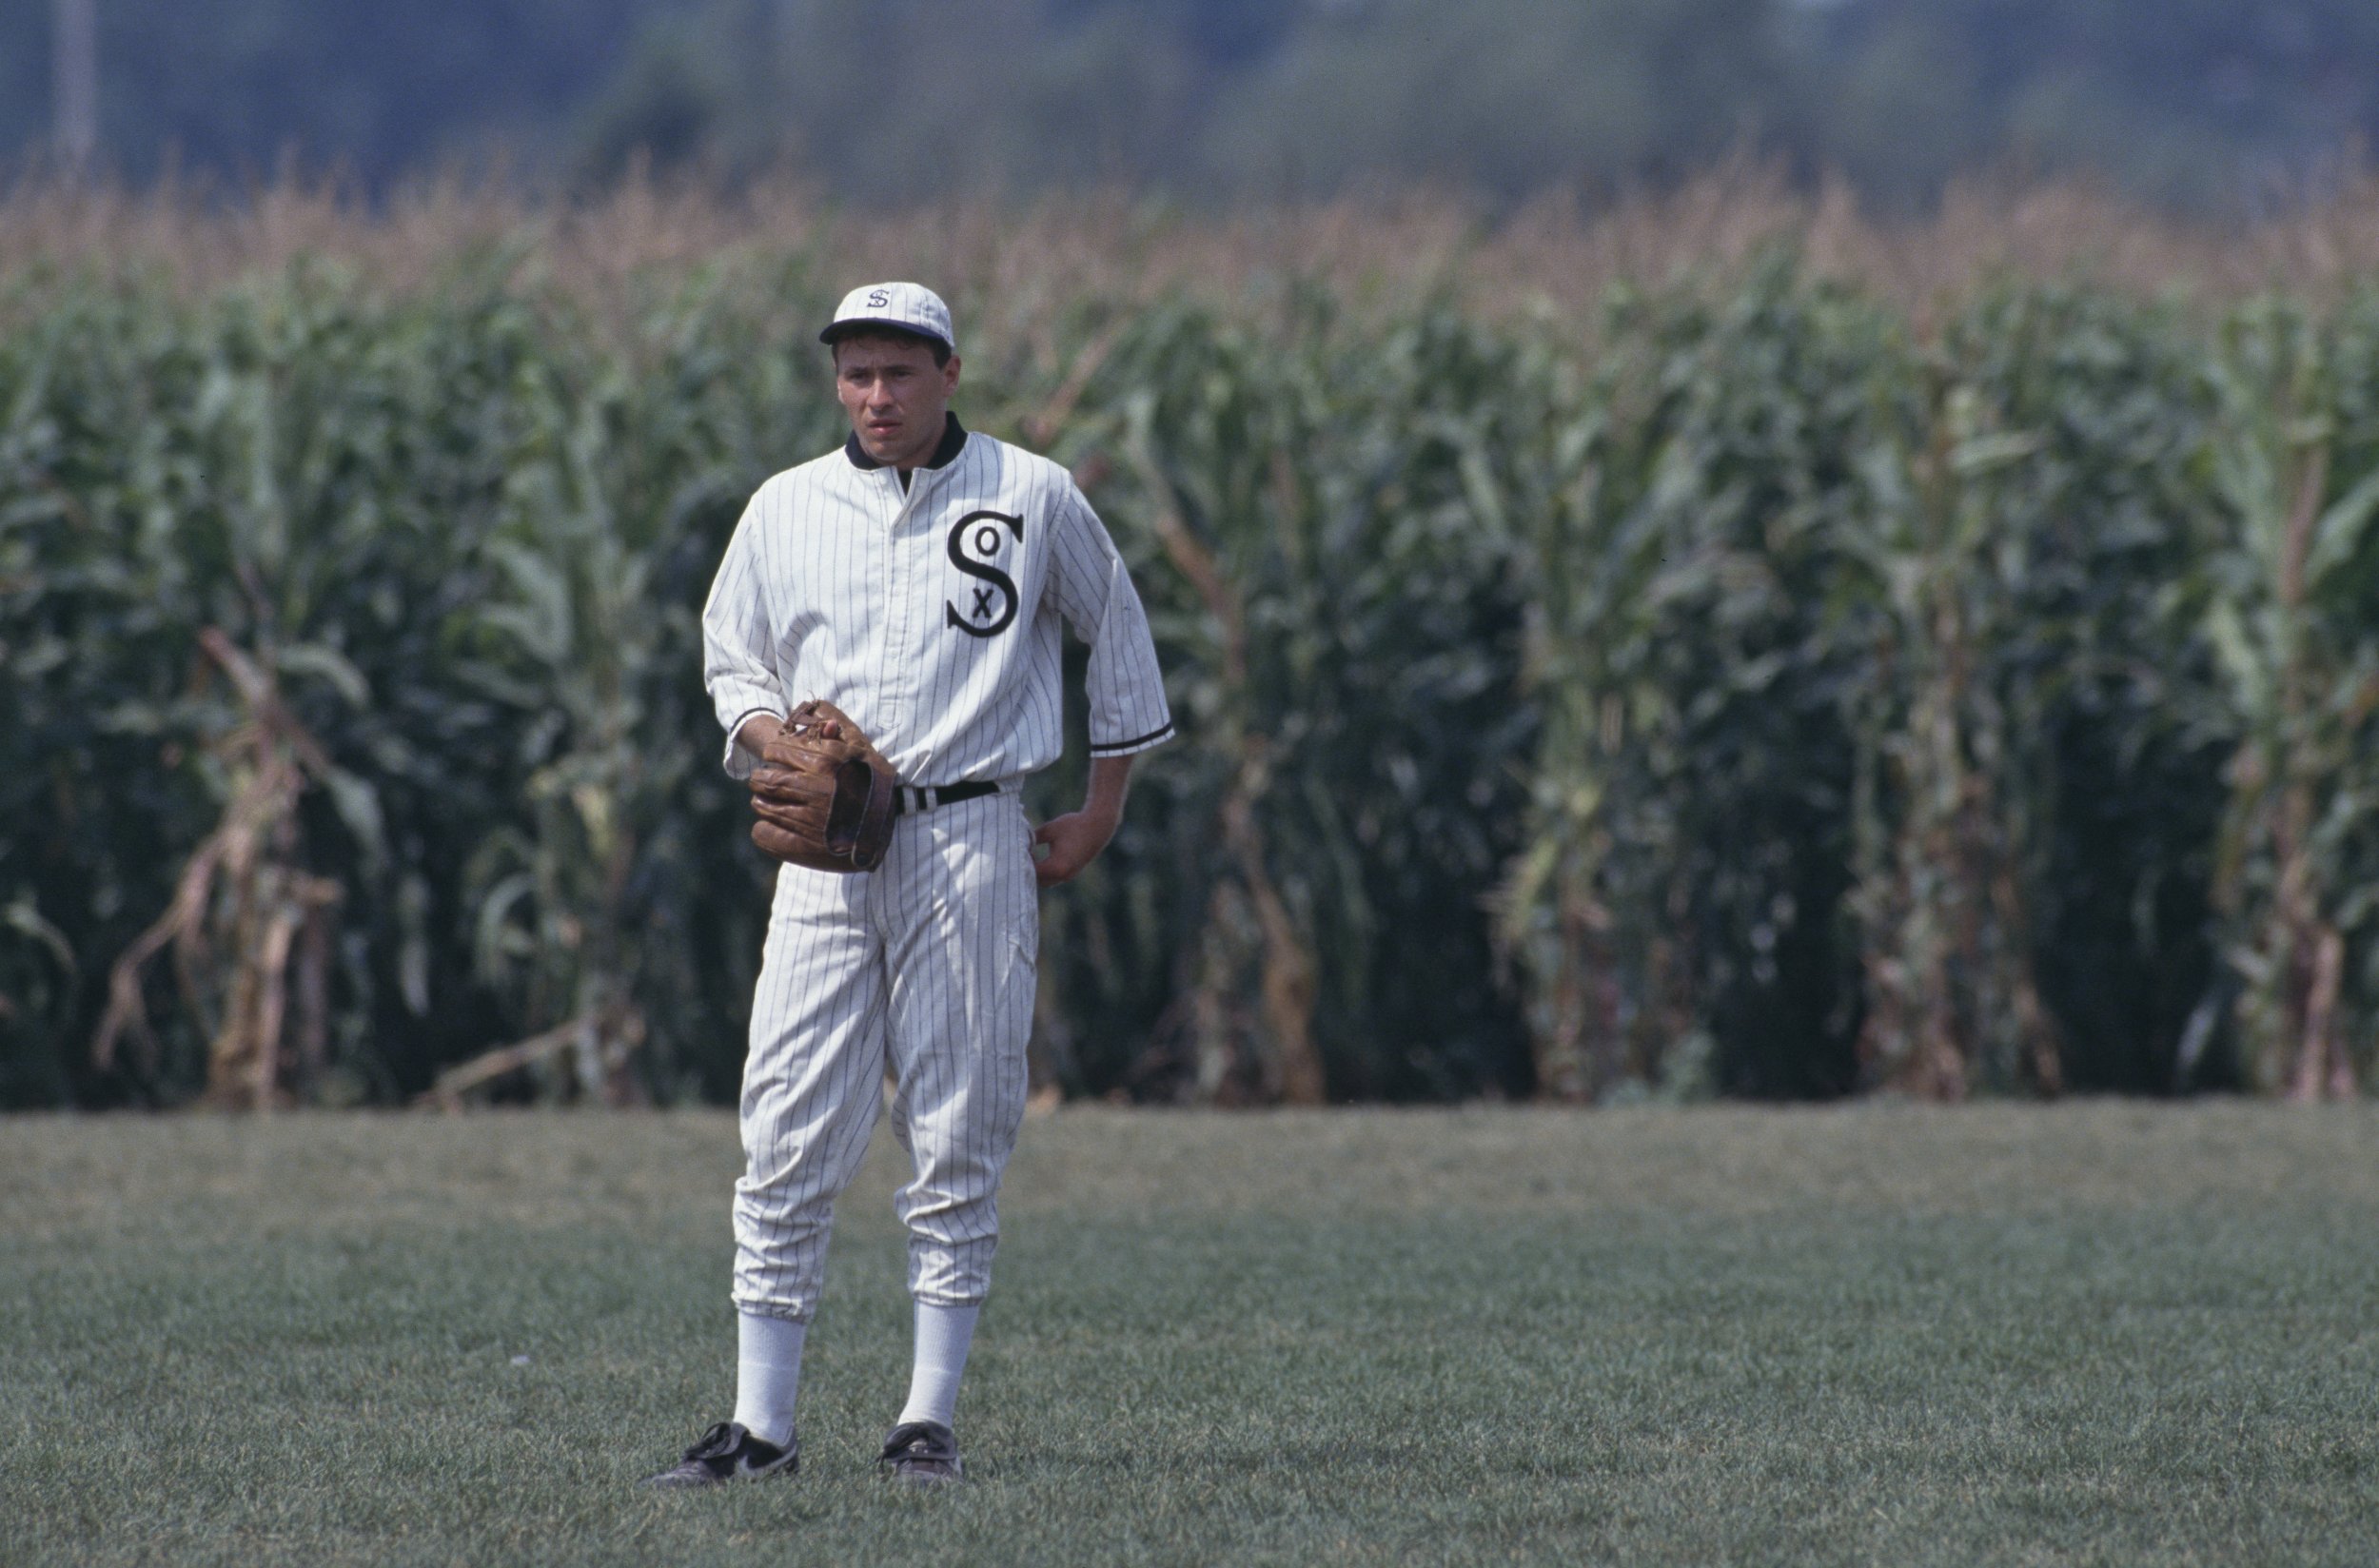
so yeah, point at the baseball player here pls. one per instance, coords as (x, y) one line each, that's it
(915, 579)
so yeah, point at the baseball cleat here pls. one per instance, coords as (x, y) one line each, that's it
(920, 1454)
(729, 1452)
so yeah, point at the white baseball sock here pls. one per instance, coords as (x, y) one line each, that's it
(943, 1334)
(768, 1373)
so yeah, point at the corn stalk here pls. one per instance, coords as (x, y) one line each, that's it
(1247, 925)
(1952, 1002)
(2292, 589)
(244, 910)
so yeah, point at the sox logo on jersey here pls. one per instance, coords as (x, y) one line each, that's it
(976, 532)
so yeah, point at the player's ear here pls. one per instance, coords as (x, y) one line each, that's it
(950, 375)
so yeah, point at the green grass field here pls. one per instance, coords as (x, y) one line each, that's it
(2083, 1334)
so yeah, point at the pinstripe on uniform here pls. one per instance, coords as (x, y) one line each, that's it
(836, 585)
(890, 604)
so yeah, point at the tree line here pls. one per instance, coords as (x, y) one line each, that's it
(2211, 104)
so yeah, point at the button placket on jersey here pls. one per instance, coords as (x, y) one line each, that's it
(905, 582)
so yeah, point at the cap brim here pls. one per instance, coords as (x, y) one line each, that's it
(845, 328)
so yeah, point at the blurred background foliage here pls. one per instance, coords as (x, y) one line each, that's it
(2207, 105)
(1839, 624)
(1755, 685)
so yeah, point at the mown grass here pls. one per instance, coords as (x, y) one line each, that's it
(2095, 1334)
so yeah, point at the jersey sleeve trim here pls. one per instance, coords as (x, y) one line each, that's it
(1117, 748)
(738, 761)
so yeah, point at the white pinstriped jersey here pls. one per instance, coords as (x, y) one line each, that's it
(931, 616)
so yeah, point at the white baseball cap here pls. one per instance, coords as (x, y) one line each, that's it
(907, 307)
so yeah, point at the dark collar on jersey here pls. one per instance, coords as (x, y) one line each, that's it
(954, 438)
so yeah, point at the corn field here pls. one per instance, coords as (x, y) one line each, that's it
(1753, 684)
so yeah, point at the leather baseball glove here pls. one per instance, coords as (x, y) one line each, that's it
(823, 793)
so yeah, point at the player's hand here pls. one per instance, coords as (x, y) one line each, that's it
(1074, 841)
(758, 732)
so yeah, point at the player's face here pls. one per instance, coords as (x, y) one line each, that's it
(896, 396)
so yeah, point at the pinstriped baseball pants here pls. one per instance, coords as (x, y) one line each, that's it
(924, 966)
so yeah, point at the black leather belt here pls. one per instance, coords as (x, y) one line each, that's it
(924, 798)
